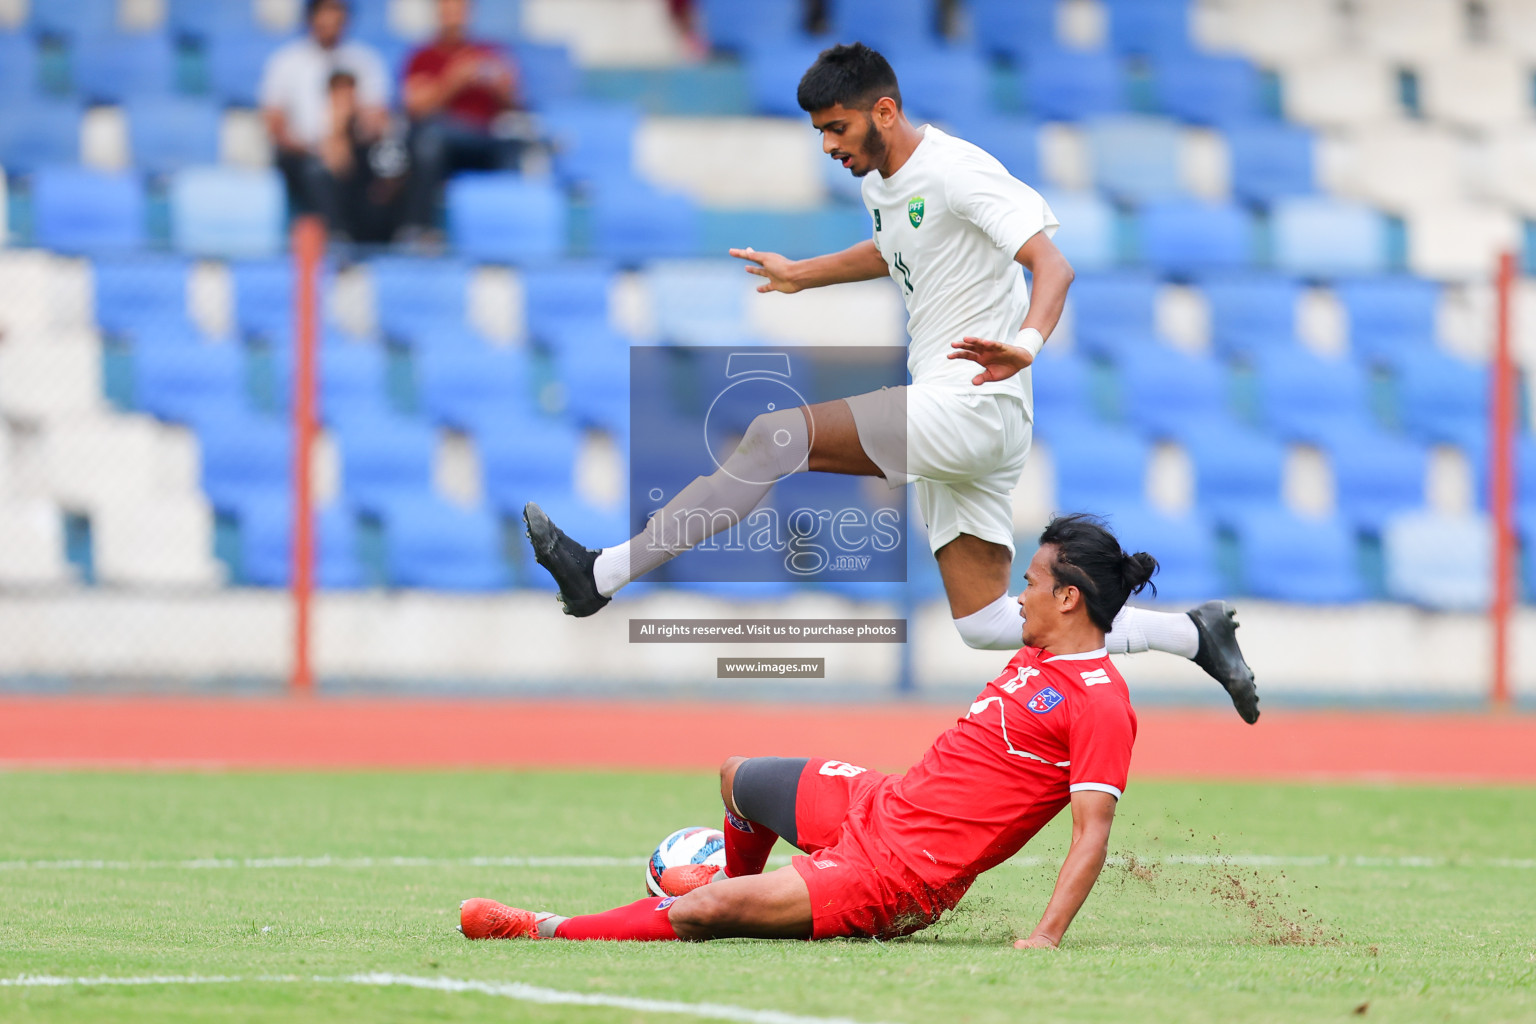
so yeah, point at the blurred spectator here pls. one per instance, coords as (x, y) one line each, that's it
(369, 172)
(461, 96)
(297, 103)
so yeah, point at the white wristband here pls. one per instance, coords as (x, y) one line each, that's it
(1030, 339)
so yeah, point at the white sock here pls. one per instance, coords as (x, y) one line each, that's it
(1141, 629)
(775, 445)
(997, 627)
(546, 924)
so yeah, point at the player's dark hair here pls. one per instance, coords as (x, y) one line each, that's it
(312, 7)
(1089, 558)
(854, 76)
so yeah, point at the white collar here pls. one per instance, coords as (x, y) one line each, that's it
(1102, 652)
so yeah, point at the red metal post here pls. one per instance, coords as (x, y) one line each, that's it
(1502, 479)
(308, 247)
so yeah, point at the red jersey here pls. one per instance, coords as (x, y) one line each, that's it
(475, 103)
(1045, 728)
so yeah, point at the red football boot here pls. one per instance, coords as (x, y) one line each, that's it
(688, 877)
(487, 919)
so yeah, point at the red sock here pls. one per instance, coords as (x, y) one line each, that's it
(746, 845)
(643, 920)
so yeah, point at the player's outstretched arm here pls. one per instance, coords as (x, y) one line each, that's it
(1092, 814)
(861, 262)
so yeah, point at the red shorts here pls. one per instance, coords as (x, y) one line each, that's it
(858, 886)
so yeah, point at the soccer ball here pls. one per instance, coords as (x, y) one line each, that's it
(693, 845)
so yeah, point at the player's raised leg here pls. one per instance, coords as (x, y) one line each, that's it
(1206, 634)
(760, 795)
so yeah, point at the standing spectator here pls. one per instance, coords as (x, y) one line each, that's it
(297, 102)
(462, 97)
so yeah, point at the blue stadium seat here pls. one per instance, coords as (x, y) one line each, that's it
(505, 218)
(79, 210)
(1011, 139)
(524, 457)
(1287, 558)
(462, 386)
(244, 458)
(39, 132)
(111, 68)
(593, 141)
(1439, 561)
(794, 233)
(1269, 159)
(1189, 236)
(1012, 28)
(1184, 546)
(1161, 388)
(135, 291)
(1155, 27)
(1062, 386)
(1324, 237)
(500, 22)
(1098, 466)
(266, 545)
(773, 76)
(733, 25)
(169, 132)
(1375, 475)
(1112, 311)
(187, 384)
(368, 20)
(235, 64)
(351, 377)
(942, 84)
(633, 222)
(1089, 235)
(599, 398)
(1206, 89)
(413, 295)
(699, 302)
(886, 25)
(1251, 313)
(19, 81)
(227, 211)
(546, 74)
(1389, 317)
(1237, 468)
(74, 17)
(203, 20)
(1135, 157)
(1306, 398)
(1069, 85)
(433, 544)
(384, 458)
(557, 293)
(264, 296)
(1442, 399)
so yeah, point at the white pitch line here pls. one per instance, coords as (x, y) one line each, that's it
(1241, 860)
(504, 989)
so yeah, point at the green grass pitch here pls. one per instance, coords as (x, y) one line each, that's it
(1419, 906)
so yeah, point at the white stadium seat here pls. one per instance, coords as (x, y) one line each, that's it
(96, 461)
(1476, 88)
(1453, 239)
(1273, 31)
(1505, 170)
(609, 33)
(1394, 165)
(31, 543)
(1513, 24)
(764, 163)
(1339, 90)
(50, 377)
(167, 541)
(1410, 29)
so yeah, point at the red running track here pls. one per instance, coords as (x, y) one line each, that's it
(115, 732)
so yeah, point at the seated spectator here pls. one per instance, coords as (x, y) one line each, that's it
(370, 172)
(462, 97)
(297, 104)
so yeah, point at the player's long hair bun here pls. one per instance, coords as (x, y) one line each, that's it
(1089, 558)
(1138, 570)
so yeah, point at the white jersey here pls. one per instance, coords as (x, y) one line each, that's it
(949, 224)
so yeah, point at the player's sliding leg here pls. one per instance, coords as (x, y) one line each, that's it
(759, 794)
(772, 906)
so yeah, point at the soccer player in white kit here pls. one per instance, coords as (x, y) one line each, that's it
(955, 231)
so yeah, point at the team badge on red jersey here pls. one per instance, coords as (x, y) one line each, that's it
(1042, 702)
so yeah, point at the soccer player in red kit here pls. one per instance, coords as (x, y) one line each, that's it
(885, 855)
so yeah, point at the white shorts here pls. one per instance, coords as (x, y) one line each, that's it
(965, 451)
